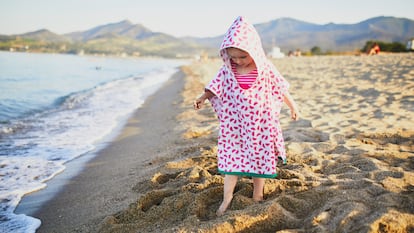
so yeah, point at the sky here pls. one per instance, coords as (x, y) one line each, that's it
(199, 18)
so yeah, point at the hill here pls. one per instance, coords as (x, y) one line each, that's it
(45, 35)
(124, 28)
(125, 37)
(292, 34)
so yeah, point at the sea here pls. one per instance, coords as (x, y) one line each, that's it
(55, 108)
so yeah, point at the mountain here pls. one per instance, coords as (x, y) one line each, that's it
(38, 41)
(122, 38)
(127, 38)
(124, 28)
(292, 34)
(289, 34)
(45, 35)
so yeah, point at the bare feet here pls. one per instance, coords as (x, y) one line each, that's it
(258, 199)
(223, 207)
(258, 186)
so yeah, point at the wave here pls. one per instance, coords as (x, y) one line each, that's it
(35, 148)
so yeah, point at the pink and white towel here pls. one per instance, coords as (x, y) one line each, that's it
(250, 137)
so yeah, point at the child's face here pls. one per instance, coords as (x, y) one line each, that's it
(240, 57)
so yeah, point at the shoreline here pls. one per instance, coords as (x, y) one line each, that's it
(73, 199)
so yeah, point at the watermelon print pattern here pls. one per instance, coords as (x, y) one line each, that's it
(250, 137)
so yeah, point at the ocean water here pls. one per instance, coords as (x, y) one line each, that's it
(55, 108)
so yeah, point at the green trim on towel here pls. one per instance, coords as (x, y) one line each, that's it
(248, 174)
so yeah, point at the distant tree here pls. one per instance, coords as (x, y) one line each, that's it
(395, 47)
(316, 50)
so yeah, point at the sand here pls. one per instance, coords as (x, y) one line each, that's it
(350, 159)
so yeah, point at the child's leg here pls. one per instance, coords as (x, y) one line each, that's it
(258, 186)
(229, 184)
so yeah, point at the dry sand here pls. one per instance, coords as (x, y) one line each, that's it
(350, 157)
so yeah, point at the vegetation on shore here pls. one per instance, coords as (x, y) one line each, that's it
(393, 47)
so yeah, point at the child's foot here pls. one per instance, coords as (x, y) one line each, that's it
(223, 207)
(258, 199)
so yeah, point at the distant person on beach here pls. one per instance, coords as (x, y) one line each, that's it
(247, 95)
(375, 49)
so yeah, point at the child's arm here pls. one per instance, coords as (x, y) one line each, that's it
(198, 103)
(294, 112)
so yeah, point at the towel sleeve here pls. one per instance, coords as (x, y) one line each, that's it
(216, 87)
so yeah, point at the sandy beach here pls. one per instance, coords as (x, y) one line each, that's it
(350, 159)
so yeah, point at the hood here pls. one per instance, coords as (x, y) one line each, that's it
(243, 35)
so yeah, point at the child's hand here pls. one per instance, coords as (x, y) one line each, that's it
(294, 114)
(198, 103)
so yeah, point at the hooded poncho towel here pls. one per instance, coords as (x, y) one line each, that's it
(250, 138)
